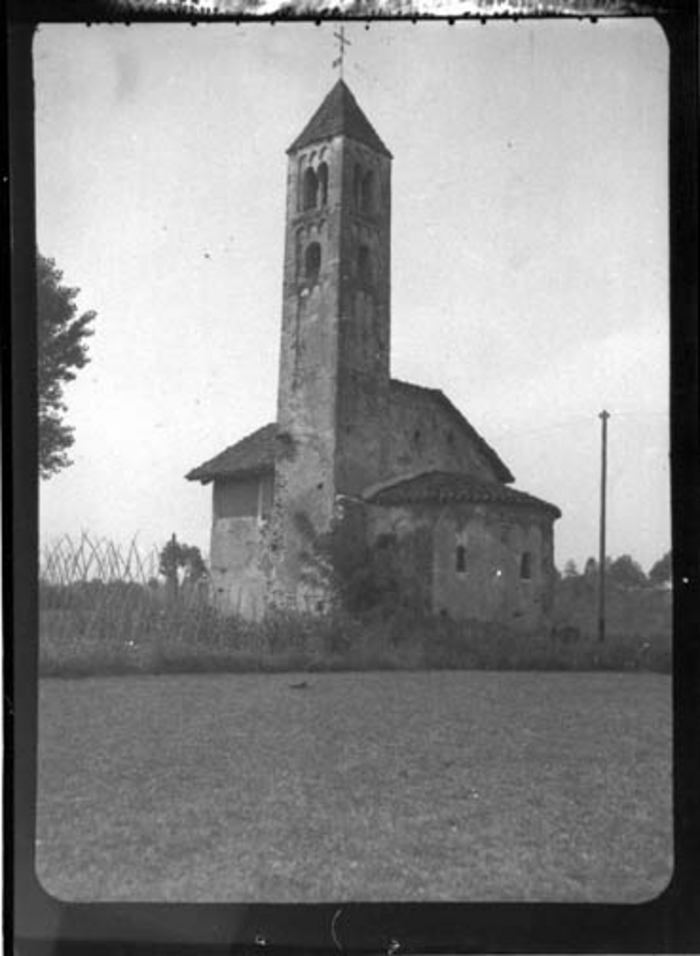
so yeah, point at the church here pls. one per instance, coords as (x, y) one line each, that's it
(366, 488)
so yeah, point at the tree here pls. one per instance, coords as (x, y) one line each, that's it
(176, 557)
(591, 568)
(62, 349)
(625, 572)
(570, 569)
(662, 571)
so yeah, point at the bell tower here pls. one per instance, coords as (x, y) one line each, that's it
(334, 362)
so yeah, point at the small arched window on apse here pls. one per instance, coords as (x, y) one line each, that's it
(310, 189)
(323, 184)
(312, 263)
(526, 566)
(461, 559)
(368, 192)
(364, 265)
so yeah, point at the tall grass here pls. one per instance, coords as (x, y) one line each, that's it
(104, 610)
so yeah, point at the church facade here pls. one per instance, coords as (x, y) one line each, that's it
(379, 484)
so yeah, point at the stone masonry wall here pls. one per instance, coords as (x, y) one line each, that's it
(364, 320)
(334, 356)
(422, 436)
(490, 586)
(306, 407)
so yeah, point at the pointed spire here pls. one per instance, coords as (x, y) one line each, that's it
(339, 115)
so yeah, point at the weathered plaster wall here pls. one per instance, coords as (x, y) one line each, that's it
(494, 540)
(240, 498)
(422, 435)
(238, 566)
(238, 552)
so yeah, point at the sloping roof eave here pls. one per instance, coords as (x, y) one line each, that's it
(206, 478)
(442, 487)
(253, 455)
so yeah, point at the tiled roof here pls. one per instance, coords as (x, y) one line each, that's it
(252, 455)
(443, 487)
(502, 472)
(339, 114)
(255, 453)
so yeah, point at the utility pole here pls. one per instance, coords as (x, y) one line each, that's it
(604, 416)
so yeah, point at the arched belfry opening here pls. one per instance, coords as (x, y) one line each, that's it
(367, 197)
(310, 189)
(323, 184)
(357, 187)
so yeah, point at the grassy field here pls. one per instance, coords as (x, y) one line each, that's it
(378, 786)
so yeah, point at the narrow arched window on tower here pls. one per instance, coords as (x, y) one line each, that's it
(368, 192)
(300, 179)
(364, 266)
(460, 559)
(357, 188)
(526, 566)
(299, 251)
(323, 184)
(312, 263)
(310, 189)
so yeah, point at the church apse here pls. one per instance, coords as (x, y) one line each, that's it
(480, 559)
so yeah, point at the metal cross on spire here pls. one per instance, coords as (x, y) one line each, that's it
(342, 43)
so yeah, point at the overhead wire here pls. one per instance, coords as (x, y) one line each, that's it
(576, 419)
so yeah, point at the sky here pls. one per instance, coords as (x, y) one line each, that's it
(529, 251)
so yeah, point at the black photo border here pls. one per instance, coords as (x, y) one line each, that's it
(39, 923)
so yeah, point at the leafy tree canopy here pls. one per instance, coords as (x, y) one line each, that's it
(62, 350)
(621, 572)
(661, 572)
(176, 557)
(625, 572)
(570, 569)
(591, 567)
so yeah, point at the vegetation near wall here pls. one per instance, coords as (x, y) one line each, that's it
(107, 612)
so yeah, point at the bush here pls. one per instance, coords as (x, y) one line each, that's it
(646, 612)
(178, 639)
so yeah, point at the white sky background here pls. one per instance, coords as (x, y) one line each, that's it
(529, 250)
